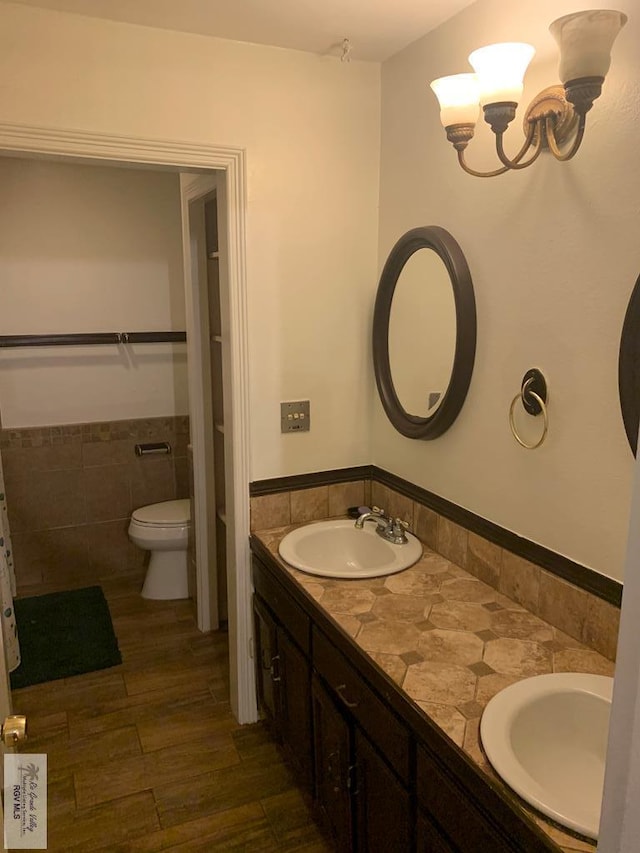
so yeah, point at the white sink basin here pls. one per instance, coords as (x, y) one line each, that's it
(337, 549)
(547, 738)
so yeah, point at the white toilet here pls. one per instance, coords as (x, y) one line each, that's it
(163, 529)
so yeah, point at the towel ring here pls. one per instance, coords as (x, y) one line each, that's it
(534, 402)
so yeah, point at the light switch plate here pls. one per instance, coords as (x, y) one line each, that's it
(295, 416)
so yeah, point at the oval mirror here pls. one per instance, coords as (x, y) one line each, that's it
(424, 332)
(629, 369)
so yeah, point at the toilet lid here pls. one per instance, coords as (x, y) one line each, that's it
(166, 513)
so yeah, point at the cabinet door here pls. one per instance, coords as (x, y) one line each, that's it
(267, 663)
(382, 804)
(468, 827)
(363, 705)
(295, 707)
(332, 760)
(429, 838)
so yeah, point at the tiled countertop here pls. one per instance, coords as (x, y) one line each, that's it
(450, 642)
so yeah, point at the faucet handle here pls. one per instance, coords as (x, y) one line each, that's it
(399, 526)
(377, 510)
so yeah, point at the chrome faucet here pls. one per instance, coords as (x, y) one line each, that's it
(391, 529)
(376, 515)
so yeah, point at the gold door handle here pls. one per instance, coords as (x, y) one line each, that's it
(14, 730)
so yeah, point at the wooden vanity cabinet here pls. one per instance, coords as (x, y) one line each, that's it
(328, 723)
(428, 837)
(450, 817)
(283, 674)
(333, 763)
(266, 655)
(362, 757)
(384, 809)
(384, 778)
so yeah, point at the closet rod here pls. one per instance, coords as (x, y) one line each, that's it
(89, 338)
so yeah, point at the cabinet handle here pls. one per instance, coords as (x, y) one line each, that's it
(352, 780)
(331, 774)
(340, 691)
(275, 668)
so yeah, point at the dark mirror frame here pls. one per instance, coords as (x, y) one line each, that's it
(440, 241)
(629, 369)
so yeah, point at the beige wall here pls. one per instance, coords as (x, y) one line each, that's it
(310, 126)
(554, 256)
(90, 249)
(553, 251)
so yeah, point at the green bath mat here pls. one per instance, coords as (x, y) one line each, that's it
(63, 634)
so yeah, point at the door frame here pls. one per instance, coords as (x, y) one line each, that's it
(31, 141)
(193, 190)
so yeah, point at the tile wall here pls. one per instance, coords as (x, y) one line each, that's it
(71, 490)
(574, 611)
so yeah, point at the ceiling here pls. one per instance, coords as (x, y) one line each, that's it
(376, 29)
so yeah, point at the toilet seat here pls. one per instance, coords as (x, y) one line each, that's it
(165, 514)
(163, 530)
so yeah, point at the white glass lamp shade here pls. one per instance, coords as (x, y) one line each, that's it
(459, 98)
(500, 69)
(585, 40)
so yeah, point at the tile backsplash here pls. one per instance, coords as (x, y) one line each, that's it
(573, 610)
(71, 490)
(301, 505)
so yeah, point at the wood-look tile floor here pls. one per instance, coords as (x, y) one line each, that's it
(147, 756)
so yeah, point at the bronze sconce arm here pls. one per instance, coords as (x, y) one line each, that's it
(550, 121)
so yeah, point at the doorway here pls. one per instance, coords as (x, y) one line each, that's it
(230, 164)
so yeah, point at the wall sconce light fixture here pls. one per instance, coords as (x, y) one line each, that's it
(585, 40)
